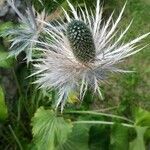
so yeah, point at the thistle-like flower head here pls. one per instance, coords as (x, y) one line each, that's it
(23, 36)
(81, 52)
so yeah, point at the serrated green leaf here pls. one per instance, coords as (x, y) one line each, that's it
(5, 61)
(3, 107)
(119, 137)
(77, 139)
(49, 130)
(138, 142)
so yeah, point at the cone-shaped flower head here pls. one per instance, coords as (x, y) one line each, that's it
(81, 52)
(81, 41)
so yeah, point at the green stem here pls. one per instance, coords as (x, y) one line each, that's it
(19, 110)
(20, 123)
(17, 82)
(39, 93)
(15, 137)
(102, 122)
(100, 114)
(106, 109)
(20, 94)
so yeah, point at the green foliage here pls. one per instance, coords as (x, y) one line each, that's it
(3, 107)
(138, 142)
(49, 130)
(119, 137)
(142, 122)
(5, 60)
(99, 137)
(5, 25)
(48, 5)
(142, 117)
(78, 138)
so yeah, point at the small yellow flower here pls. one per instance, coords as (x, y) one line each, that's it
(73, 98)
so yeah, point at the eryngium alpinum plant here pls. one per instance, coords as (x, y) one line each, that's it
(81, 52)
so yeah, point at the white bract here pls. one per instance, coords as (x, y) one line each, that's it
(60, 69)
(23, 36)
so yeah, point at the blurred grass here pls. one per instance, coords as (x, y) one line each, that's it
(130, 90)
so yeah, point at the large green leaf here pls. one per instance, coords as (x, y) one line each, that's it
(3, 107)
(138, 142)
(119, 137)
(78, 139)
(49, 130)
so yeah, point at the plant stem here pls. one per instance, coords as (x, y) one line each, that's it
(15, 137)
(102, 122)
(17, 82)
(100, 114)
(106, 109)
(20, 94)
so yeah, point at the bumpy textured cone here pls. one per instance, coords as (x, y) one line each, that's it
(81, 41)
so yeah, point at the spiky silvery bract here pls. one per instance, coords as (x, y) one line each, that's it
(26, 33)
(81, 52)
